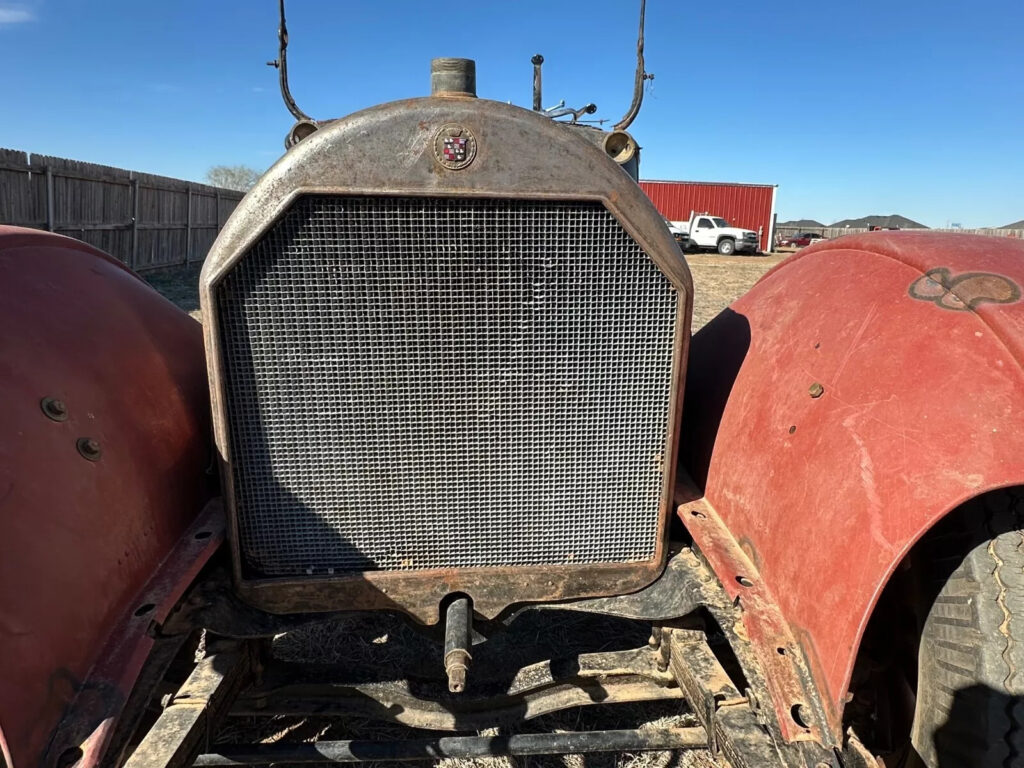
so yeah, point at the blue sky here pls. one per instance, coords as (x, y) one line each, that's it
(852, 108)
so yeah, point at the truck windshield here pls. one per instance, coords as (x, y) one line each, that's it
(721, 223)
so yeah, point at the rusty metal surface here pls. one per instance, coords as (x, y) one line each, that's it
(743, 723)
(676, 593)
(701, 677)
(537, 61)
(497, 695)
(419, 593)
(456, 747)
(214, 604)
(193, 712)
(921, 389)
(800, 712)
(82, 537)
(733, 729)
(281, 64)
(538, 689)
(638, 79)
(334, 160)
(452, 77)
(749, 736)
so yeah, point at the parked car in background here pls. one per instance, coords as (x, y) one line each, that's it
(802, 239)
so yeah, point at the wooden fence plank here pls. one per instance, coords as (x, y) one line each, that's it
(146, 221)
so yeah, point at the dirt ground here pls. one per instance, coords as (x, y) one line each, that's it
(359, 642)
(720, 280)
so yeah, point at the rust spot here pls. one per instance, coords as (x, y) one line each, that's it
(965, 291)
(748, 548)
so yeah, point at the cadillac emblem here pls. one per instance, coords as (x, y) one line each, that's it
(454, 146)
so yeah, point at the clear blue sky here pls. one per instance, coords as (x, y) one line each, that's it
(852, 108)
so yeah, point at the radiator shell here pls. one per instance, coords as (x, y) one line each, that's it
(523, 163)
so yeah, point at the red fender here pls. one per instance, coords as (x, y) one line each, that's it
(916, 341)
(82, 534)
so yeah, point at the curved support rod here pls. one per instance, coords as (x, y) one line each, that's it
(563, 111)
(638, 83)
(281, 63)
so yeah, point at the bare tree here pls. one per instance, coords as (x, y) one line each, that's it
(240, 177)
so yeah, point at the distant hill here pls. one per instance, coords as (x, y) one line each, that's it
(1015, 225)
(880, 221)
(802, 223)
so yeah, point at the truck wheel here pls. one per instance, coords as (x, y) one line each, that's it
(970, 690)
(726, 247)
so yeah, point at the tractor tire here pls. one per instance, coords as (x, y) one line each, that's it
(726, 247)
(970, 690)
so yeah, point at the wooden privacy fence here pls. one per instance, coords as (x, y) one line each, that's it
(833, 232)
(146, 221)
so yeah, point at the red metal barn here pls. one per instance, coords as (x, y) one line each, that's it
(751, 206)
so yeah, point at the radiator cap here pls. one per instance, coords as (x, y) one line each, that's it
(453, 77)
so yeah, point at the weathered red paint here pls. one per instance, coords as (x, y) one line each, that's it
(81, 539)
(745, 205)
(923, 396)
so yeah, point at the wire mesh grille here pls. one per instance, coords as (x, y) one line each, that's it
(417, 383)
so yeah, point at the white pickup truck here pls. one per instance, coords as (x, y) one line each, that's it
(707, 231)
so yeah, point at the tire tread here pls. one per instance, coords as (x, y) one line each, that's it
(970, 704)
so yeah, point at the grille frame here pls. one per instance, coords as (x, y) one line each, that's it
(583, 174)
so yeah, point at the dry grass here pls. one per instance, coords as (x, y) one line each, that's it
(720, 280)
(386, 641)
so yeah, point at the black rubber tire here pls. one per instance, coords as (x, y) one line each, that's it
(726, 247)
(970, 690)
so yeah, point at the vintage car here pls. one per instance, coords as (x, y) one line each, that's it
(445, 372)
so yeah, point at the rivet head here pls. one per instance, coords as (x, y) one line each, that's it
(55, 409)
(89, 448)
(816, 390)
